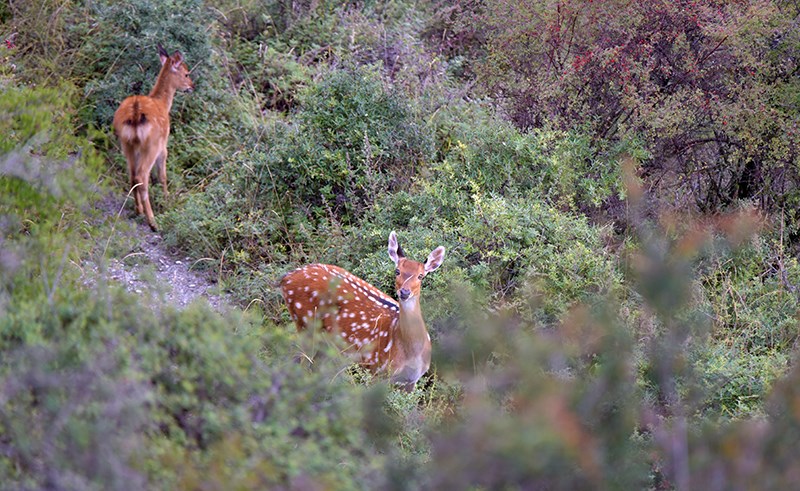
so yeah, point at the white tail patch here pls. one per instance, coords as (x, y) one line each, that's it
(135, 134)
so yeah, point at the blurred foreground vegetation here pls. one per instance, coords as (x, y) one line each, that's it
(615, 183)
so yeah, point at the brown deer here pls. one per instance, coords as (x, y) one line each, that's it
(390, 336)
(142, 126)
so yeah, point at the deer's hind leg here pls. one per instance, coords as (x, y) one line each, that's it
(131, 156)
(142, 177)
(161, 163)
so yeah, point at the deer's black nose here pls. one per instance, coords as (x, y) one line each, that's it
(404, 293)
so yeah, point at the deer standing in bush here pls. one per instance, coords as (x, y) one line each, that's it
(390, 336)
(142, 126)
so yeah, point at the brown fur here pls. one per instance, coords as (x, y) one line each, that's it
(142, 127)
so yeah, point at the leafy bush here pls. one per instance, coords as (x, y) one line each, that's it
(277, 76)
(46, 176)
(67, 425)
(687, 79)
(364, 140)
(568, 399)
(572, 397)
(108, 52)
(479, 151)
(186, 386)
(123, 48)
(750, 297)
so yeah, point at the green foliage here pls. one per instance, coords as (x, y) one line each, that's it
(39, 170)
(353, 142)
(753, 303)
(177, 389)
(363, 140)
(284, 203)
(277, 76)
(567, 398)
(98, 391)
(480, 152)
(45, 171)
(108, 50)
(572, 398)
(123, 61)
(752, 292)
(737, 382)
(70, 426)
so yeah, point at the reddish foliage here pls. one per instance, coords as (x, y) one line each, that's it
(686, 77)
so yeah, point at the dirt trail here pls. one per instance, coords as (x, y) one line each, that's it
(150, 269)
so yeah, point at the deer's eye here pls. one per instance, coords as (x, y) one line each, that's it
(397, 272)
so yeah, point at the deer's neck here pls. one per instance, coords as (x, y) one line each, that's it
(163, 90)
(411, 331)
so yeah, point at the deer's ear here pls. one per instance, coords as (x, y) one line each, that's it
(395, 251)
(162, 54)
(434, 260)
(177, 60)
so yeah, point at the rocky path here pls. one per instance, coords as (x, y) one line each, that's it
(149, 268)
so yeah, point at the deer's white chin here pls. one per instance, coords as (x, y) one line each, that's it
(409, 303)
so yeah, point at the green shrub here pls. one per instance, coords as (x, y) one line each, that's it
(510, 249)
(67, 425)
(187, 386)
(41, 156)
(207, 125)
(737, 383)
(124, 55)
(278, 77)
(47, 175)
(752, 294)
(479, 151)
(357, 141)
(566, 396)
(99, 390)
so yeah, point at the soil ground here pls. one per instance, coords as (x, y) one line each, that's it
(147, 267)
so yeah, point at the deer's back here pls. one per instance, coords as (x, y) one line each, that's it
(342, 303)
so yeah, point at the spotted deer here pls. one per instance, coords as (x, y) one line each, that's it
(142, 125)
(390, 336)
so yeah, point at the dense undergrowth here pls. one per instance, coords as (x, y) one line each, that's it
(589, 331)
